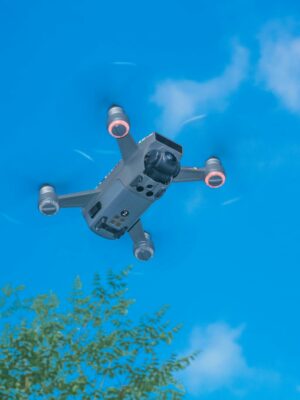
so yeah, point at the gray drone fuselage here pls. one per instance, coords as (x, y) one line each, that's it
(141, 177)
(126, 192)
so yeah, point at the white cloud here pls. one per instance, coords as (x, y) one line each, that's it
(279, 64)
(182, 99)
(221, 362)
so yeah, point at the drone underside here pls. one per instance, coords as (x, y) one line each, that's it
(144, 173)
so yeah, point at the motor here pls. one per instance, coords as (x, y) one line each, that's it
(117, 123)
(48, 202)
(144, 249)
(214, 173)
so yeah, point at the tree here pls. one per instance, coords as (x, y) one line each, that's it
(87, 348)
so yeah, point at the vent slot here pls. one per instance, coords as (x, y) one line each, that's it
(95, 209)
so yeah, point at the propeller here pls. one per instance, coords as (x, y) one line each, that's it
(94, 89)
(114, 83)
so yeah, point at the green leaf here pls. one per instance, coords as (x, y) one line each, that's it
(87, 348)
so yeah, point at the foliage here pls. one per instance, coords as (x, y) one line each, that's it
(88, 349)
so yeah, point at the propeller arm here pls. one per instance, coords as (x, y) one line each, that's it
(212, 174)
(190, 174)
(118, 126)
(50, 202)
(127, 146)
(80, 199)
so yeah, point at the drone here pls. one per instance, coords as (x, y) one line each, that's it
(141, 177)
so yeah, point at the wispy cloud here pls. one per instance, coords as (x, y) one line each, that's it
(124, 63)
(231, 201)
(10, 219)
(83, 154)
(221, 362)
(276, 158)
(194, 202)
(180, 100)
(279, 64)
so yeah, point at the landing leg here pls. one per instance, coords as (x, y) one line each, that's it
(143, 247)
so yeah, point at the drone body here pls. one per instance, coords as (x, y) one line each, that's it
(141, 177)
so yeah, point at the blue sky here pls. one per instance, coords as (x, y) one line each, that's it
(219, 79)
